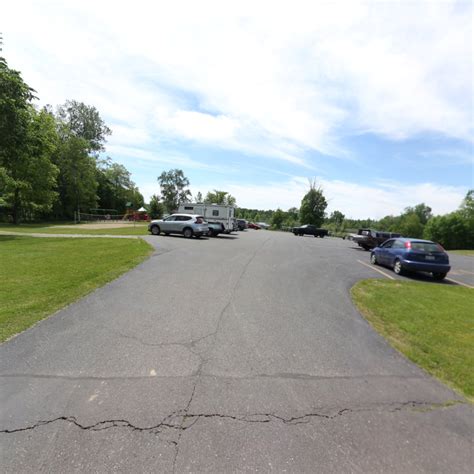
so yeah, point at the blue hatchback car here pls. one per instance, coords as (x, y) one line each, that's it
(405, 254)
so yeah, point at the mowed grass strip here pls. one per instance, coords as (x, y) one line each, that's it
(128, 229)
(469, 253)
(433, 325)
(41, 275)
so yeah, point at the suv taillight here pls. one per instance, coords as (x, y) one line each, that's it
(408, 245)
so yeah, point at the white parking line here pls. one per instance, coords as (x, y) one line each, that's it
(459, 283)
(377, 270)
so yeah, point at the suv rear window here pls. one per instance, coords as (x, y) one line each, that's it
(426, 247)
(199, 220)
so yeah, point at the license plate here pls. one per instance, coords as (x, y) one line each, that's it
(429, 257)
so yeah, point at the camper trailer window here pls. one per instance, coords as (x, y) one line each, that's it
(188, 208)
(215, 212)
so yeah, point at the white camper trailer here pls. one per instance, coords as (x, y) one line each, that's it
(212, 213)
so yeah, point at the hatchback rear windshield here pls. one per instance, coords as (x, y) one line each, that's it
(426, 247)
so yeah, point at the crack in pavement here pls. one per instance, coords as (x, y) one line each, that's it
(177, 420)
(204, 361)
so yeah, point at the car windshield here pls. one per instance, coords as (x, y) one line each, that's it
(426, 246)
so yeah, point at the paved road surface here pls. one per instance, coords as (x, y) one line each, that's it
(235, 353)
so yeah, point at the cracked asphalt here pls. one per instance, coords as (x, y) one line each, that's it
(239, 353)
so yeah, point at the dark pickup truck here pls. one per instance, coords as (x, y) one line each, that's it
(309, 229)
(369, 239)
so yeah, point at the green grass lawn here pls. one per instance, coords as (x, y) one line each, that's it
(41, 275)
(433, 325)
(469, 253)
(128, 229)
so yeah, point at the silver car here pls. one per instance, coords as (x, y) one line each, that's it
(187, 224)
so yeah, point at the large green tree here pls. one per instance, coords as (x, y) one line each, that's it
(27, 140)
(82, 134)
(220, 197)
(156, 208)
(116, 188)
(174, 189)
(84, 121)
(77, 180)
(313, 206)
(277, 219)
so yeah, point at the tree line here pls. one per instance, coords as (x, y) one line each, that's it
(454, 230)
(51, 162)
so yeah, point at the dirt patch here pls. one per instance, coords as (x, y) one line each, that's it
(98, 225)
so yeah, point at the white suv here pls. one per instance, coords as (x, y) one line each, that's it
(187, 224)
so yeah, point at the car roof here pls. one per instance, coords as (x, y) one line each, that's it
(413, 239)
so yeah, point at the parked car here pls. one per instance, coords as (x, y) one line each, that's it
(405, 254)
(369, 239)
(215, 228)
(242, 224)
(187, 224)
(252, 225)
(309, 229)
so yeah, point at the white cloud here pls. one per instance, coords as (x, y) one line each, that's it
(352, 199)
(271, 78)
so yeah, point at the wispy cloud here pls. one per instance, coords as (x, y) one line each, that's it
(163, 157)
(449, 157)
(374, 200)
(287, 85)
(299, 77)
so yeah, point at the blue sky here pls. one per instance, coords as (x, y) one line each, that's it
(374, 100)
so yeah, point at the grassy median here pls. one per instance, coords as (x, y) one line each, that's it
(432, 324)
(468, 253)
(41, 275)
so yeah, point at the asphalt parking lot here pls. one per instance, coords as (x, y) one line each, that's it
(237, 353)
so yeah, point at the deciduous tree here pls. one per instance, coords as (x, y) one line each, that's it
(174, 190)
(313, 206)
(27, 140)
(220, 197)
(84, 121)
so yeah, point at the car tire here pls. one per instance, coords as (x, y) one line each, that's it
(397, 267)
(439, 276)
(155, 230)
(365, 247)
(210, 233)
(373, 259)
(188, 233)
(167, 233)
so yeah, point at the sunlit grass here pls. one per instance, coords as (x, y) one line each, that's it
(433, 325)
(42, 275)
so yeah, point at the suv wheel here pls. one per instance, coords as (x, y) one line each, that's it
(188, 232)
(155, 230)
